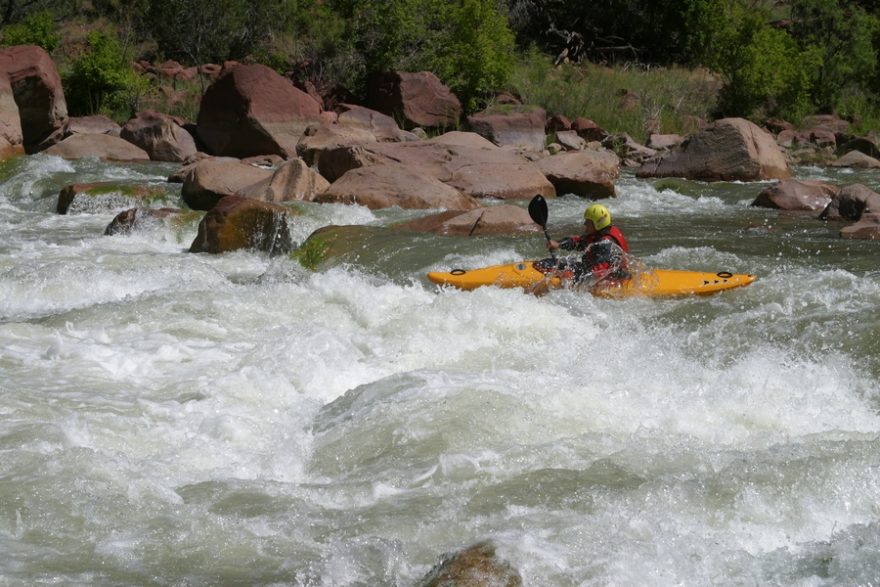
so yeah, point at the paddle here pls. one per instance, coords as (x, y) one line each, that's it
(539, 213)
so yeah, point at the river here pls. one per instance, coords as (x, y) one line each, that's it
(169, 418)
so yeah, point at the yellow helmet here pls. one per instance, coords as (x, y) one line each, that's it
(599, 215)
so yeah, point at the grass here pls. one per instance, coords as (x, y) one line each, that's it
(311, 253)
(619, 99)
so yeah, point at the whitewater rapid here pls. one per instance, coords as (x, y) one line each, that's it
(173, 418)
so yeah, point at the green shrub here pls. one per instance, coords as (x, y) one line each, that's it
(311, 253)
(36, 29)
(767, 74)
(842, 36)
(473, 50)
(101, 80)
(466, 43)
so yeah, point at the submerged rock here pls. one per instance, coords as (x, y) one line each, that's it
(475, 566)
(503, 219)
(796, 194)
(242, 223)
(105, 196)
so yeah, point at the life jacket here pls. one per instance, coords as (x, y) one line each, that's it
(615, 266)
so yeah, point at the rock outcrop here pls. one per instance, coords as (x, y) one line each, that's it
(160, 135)
(207, 181)
(252, 110)
(38, 93)
(796, 194)
(588, 174)
(392, 184)
(241, 223)
(731, 149)
(420, 99)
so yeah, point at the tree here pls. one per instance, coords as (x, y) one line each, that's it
(766, 73)
(843, 35)
(37, 28)
(466, 43)
(201, 31)
(471, 49)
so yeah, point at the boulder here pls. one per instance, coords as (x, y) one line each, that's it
(664, 142)
(588, 130)
(96, 124)
(868, 228)
(796, 194)
(789, 138)
(160, 135)
(490, 220)
(106, 147)
(632, 152)
(823, 138)
(207, 181)
(105, 196)
(588, 174)
(135, 219)
(391, 184)
(38, 93)
(322, 137)
(522, 128)
(856, 160)
(241, 223)
(419, 99)
(474, 566)
(851, 202)
(557, 123)
(252, 110)
(380, 125)
(463, 161)
(777, 125)
(829, 122)
(292, 180)
(731, 149)
(11, 138)
(570, 140)
(869, 145)
(355, 125)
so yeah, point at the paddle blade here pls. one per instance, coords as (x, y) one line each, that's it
(538, 210)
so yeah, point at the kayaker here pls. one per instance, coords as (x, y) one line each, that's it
(604, 250)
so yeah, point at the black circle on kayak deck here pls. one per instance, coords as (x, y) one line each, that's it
(724, 274)
(458, 272)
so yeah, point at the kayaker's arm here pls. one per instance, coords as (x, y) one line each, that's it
(569, 244)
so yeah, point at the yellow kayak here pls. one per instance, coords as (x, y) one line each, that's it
(655, 283)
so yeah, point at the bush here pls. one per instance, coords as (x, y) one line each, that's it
(101, 80)
(36, 29)
(466, 43)
(472, 51)
(842, 36)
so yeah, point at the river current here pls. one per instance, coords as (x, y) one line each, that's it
(169, 418)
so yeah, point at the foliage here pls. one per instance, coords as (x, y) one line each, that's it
(472, 52)
(202, 31)
(842, 37)
(782, 58)
(16, 11)
(616, 31)
(669, 99)
(311, 253)
(101, 79)
(37, 28)
(766, 72)
(466, 43)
